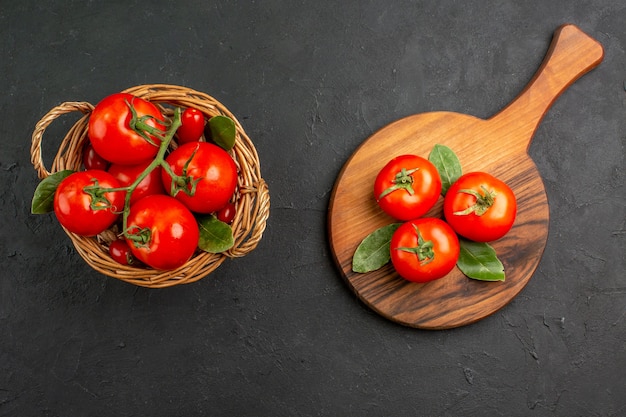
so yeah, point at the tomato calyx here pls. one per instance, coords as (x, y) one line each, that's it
(402, 181)
(184, 183)
(139, 236)
(99, 201)
(482, 204)
(423, 250)
(143, 129)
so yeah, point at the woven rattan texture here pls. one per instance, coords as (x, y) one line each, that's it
(252, 194)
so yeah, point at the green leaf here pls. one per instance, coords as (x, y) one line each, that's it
(479, 261)
(373, 251)
(448, 165)
(215, 235)
(43, 198)
(222, 129)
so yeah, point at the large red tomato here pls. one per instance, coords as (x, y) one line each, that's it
(424, 249)
(112, 136)
(207, 176)
(480, 207)
(407, 187)
(81, 208)
(128, 174)
(162, 232)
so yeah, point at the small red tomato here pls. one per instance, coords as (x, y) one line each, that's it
(192, 126)
(112, 136)
(82, 207)
(407, 187)
(207, 176)
(480, 207)
(162, 232)
(91, 159)
(120, 252)
(424, 249)
(127, 174)
(227, 213)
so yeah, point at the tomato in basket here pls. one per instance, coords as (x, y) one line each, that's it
(162, 232)
(205, 176)
(192, 126)
(125, 129)
(82, 207)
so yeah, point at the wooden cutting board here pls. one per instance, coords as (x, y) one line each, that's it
(498, 145)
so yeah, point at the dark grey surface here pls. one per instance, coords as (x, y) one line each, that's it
(278, 333)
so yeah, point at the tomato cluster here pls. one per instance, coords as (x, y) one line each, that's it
(134, 178)
(476, 206)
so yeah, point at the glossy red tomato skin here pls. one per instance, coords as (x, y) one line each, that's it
(127, 174)
(120, 252)
(111, 135)
(400, 204)
(495, 222)
(445, 247)
(192, 126)
(213, 166)
(72, 206)
(173, 230)
(92, 160)
(227, 213)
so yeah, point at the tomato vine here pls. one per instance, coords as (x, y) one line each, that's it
(135, 137)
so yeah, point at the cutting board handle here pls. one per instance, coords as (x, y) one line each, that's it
(572, 53)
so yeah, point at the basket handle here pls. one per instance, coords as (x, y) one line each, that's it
(35, 150)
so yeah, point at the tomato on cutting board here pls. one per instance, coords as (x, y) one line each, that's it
(407, 187)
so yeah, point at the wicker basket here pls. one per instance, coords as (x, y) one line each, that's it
(252, 195)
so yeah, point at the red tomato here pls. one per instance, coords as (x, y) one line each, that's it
(163, 233)
(127, 174)
(91, 159)
(78, 211)
(480, 207)
(192, 126)
(424, 249)
(120, 252)
(227, 213)
(207, 168)
(407, 187)
(113, 138)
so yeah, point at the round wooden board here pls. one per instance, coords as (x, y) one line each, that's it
(499, 146)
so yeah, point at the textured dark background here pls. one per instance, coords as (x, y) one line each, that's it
(278, 333)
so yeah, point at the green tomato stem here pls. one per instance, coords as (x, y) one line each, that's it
(99, 201)
(184, 182)
(403, 180)
(97, 193)
(159, 160)
(482, 204)
(139, 126)
(424, 249)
